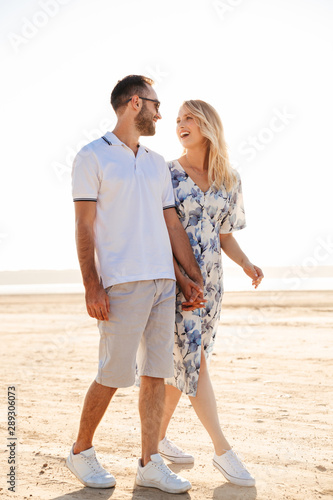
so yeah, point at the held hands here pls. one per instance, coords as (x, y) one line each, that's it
(193, 294)
(253, 272)
(97, 302)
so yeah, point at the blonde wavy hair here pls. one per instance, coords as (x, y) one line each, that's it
(220, 171)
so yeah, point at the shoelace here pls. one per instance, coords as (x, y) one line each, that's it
(171, 445)
(94, 464)
(164, 469)
(235, 462)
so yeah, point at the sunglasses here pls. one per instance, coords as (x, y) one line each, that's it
(157, 103)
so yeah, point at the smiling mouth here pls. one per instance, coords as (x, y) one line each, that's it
(184, 134)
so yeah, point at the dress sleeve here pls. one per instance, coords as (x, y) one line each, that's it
(168, 198)
(85, 176)
(235, 218)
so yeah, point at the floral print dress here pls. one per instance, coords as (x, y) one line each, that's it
(204, 217)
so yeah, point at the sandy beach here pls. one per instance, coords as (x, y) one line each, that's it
(272, 372)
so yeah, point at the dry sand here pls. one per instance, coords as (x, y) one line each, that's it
(272, 373)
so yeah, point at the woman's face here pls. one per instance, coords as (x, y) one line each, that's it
(188, 131)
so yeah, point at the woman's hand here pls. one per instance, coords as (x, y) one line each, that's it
(253, 272)
(193, 294)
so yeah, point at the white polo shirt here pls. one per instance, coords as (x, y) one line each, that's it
(131, 237)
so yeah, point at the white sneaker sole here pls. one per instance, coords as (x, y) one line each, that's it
(234, 480)
(150, 484)
(71, 467)
(178, 460)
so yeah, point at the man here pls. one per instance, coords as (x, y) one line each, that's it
(124, 211)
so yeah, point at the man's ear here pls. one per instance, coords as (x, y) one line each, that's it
(135, 102)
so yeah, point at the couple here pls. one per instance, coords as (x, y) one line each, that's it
(147, 228)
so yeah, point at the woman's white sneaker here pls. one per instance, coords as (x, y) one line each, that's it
(88, 470)
(156, 474)
(170, 451)
(233, 469)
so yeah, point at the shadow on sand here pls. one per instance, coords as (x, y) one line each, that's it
(225, 492)
(138, 493)
(228, 491)
(85, 493)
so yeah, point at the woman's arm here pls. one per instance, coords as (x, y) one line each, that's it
(231, 248)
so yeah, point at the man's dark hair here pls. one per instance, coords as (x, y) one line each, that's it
(127, 87)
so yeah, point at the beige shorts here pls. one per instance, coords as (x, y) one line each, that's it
(140, 330)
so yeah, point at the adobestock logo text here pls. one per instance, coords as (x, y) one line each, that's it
(31, 27)
(256, 143)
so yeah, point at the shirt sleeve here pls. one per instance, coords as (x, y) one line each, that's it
(85, 176)
(168, 198)
(235, 218)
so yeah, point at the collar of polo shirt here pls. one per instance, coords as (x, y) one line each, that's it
(113, 140)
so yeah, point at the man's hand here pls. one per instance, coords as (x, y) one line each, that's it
(253, 272)
(193, 294)
(97, 302)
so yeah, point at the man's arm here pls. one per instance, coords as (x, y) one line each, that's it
(181, 246)
(97, 301)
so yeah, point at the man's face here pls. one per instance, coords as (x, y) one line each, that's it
(146, 120)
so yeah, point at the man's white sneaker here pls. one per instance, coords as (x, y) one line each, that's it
(170, 451)
(233, 469)
(88, 470)
(156, 474)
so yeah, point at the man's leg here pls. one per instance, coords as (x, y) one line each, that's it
(96, 402)
(155, 360)
(151, 404)
(152, 471)
(82, 460)
(172, 397)
(120, 337)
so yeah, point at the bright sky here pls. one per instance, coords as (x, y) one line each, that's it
(264, 65)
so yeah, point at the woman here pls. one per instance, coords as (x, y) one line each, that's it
(209, 202)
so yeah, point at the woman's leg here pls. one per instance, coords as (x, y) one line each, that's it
(204, 404)
(172, 396)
